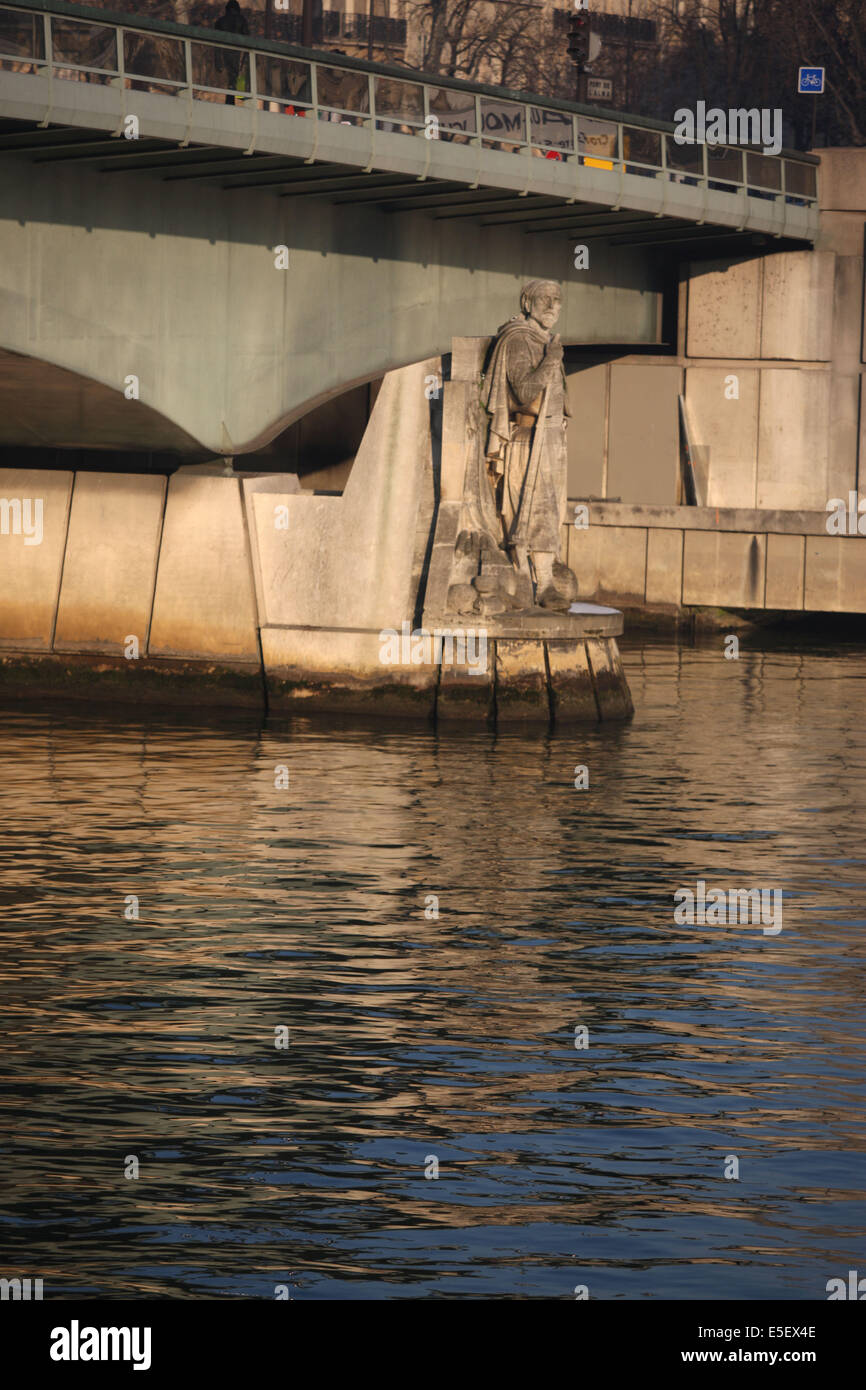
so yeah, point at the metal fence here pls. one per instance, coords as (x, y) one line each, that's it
(161, 59)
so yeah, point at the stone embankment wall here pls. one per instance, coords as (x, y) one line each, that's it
(664, 560)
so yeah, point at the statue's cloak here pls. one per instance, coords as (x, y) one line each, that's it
(496, 394)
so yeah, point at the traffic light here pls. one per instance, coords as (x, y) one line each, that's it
(578, 38)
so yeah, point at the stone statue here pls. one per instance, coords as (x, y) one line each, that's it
(508, 545)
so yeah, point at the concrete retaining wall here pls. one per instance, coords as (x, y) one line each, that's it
(30, 572)
(669, 558)
(110, 561)
(204, 604)
(772, 366)
(123, 558)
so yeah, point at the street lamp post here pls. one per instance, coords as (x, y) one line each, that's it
(628, 44)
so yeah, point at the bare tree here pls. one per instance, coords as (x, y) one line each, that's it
(832, 33)
(746, 53)
(476, 38)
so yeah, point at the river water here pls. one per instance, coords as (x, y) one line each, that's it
(707, 1142)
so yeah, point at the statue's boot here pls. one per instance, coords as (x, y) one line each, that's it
(565, 580)
(555, 583)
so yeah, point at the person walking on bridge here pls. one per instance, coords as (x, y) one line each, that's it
(232, 22)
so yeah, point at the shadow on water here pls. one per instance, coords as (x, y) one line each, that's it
(434, 919)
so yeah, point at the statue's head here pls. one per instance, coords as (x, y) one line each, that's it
(541, 300)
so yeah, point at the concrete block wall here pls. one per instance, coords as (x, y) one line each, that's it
(204, 590)
(772, 365)
(30, 574)
(670, 558)
(790, 433)
(770, 393)
(623, 438)
(109, 565)
(122, 557)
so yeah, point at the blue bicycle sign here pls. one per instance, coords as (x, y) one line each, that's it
(810, 81)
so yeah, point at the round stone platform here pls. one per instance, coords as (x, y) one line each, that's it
(582, 620)
(531, 667)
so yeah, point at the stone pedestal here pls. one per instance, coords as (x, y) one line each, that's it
(524, 668)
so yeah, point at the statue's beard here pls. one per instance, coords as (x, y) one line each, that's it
(539, 327)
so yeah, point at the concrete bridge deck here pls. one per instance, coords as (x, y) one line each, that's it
(308, 124)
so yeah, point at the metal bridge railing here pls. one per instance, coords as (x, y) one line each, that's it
(146, 59)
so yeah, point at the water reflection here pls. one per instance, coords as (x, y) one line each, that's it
(413, 1035)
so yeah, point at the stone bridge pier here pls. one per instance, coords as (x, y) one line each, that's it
(208, 588)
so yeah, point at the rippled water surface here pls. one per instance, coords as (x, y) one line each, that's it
(414, 1037)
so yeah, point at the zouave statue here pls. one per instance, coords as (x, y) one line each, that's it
(509, 536)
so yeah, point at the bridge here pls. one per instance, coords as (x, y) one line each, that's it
(203, 237)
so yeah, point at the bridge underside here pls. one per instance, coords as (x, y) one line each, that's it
(389, 192)
(45, 407)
